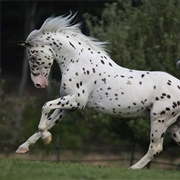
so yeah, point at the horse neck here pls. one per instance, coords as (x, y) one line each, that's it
(61, 43)
(68, 49)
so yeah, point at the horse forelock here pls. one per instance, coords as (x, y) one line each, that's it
(63, 24)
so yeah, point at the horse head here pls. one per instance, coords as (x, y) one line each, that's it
(40, 61)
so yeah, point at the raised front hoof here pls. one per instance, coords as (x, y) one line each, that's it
(22, 150)
(47, 139)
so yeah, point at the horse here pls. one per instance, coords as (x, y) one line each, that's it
(91, 79)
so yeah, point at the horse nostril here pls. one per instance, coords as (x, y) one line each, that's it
(38, 85)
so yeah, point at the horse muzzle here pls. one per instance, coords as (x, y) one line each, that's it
(40, 81)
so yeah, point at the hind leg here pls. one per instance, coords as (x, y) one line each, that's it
(158, 129)
(175, 131)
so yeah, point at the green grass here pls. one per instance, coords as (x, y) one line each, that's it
(16, 169)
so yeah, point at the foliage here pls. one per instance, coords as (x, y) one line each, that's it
(14, 128)
(142, 37)
(7, 119)
(21, 169)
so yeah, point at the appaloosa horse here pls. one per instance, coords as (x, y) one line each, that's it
(91, 79)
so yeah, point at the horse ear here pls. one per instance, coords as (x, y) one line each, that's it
(25, 44)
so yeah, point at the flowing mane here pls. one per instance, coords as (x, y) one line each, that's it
(63, 24)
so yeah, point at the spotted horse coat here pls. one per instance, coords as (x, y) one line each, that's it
(91, 79)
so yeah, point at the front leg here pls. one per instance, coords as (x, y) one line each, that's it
(66, 102)
(55, 118)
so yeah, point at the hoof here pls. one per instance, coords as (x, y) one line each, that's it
(47, 139)
(22, 150)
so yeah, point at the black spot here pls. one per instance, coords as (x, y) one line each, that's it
(102, 61)
(178, 87)
(93, 70)
(168, 109)
(174, 104)
(140, 82)
(104, 80)
(168, 96)
(157, 98)
(130, 77)
(154, 87)
(77, 85)
(163, 112)
(110, 64)
(169, 82)
(142, 75)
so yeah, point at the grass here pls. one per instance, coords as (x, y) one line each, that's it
(16, 169)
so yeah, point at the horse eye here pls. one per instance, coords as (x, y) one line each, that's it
(33, 59)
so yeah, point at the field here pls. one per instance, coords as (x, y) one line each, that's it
(13, 169)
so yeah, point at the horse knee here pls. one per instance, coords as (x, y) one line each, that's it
(46, 107)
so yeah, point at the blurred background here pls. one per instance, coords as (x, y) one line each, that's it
(143, 35)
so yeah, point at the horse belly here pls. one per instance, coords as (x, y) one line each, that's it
(123, 107)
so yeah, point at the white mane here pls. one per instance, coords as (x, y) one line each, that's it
(63, 23)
